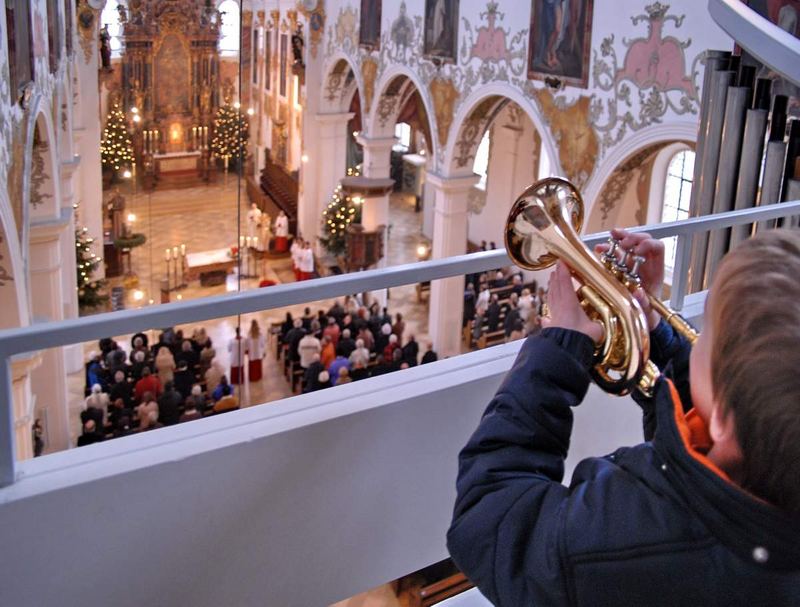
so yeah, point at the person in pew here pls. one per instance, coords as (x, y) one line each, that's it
(307, 319)
(525, 305)
(90, 434)
(117, 412)
(359, 371)
(207, 354)
(340, 362)
(191, 412)
(138, 365)
(411, 351)
(493, 314)
(147, 412)
(188, 355)
(498, 281)
(97, 399)
(320, 382)
(169, 405)
(309, 349)
(148, 383)
(315, 367)
(366, 336)
(382, 338)
(197, 400)
(360, 355)
(512, 315)
(384, 366)
(430, 356)
(397, 360)
(332, 331)
(122, 389)
(706, 512)
(399, 327)
(391, 347)
(470, 298)
(222, 390)
(328, 353)
(346, 344)
(293, 338)
(214, 376)
(343, 376)
(165, 364)
(518, 332)
(482, 303)
(184, 379)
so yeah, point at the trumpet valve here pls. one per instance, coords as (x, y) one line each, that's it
(609, 258)
(632, 279)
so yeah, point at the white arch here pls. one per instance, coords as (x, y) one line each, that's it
(498, 89)
(64, 100)
(381, 85)
(683, 131)
(330, 64)
(15, 308)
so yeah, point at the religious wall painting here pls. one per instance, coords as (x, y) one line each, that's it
(441, 30)
(314, 12)
(172, 66)
(786, 15)
(369, 72)
(444, 95)
(87, 24)
(560, 38)
(572, 130)
(500, 55)
(346, 29)
(369, 31)
(402, 31)
(490, 43)
(652, 78)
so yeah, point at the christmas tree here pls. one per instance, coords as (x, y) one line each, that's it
(89, 295)
(116, 148)
(341, 211)
(231, 132)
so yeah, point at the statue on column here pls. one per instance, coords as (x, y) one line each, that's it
(123, 13)
(138, 96)
(105, 48)
(298, 46)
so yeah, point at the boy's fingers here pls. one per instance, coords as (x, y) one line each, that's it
(650, 247)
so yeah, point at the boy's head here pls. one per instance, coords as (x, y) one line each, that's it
(745, 368)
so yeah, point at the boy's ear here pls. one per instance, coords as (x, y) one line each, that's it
(721, 427)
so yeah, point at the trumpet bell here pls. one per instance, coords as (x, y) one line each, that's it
(546, 205)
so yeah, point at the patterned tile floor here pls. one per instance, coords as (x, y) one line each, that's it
(206, 218)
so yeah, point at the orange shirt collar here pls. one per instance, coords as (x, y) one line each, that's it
(694, 434)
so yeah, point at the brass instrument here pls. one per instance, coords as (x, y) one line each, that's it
(543, 227)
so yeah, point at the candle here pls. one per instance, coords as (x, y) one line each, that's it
(255, 242)
(183, 250)
(175, 252)
(247, 240)
(167, 255)
(241, 241)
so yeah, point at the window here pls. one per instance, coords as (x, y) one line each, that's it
(110, 17)
(229, 31)
(677, 191)
(481, 164)
(68, 21)
(20, 44)
(402, 131)
(282, 76)
(255, 57)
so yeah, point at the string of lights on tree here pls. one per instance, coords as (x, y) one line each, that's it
(341, 211)
(89, 288)
(116, 148)
(231, 132)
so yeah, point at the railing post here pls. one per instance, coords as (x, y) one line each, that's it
(7, 447)
(683, 253)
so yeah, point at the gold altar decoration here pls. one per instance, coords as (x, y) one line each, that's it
(316, 22)
(87, 24)
(444, 94)
(171, 75)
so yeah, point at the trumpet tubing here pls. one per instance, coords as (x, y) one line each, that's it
(542, 228)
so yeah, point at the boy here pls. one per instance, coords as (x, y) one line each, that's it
(706, 513)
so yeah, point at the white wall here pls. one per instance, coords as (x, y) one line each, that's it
(299, 503)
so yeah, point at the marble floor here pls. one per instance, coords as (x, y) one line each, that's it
(207, 218)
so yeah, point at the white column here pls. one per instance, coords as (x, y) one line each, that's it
(49, 381)
(377, 164)
(87, 131)
(73, 354)
(326, 150)
(449, 239)
(24, 401)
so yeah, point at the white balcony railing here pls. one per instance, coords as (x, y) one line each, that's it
(302, 502)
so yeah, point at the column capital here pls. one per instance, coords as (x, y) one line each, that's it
(50, 229)
(377, 143)
(68, 167)
(460, 183)
(334, 117)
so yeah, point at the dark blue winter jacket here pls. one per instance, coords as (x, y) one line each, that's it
(647, 525)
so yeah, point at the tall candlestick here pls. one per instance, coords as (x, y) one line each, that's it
(255, 242)
(183, 250)
(167, 256)
(247, 240)
(241, 241)
(175, 252)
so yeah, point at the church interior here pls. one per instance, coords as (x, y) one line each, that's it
(159, 152)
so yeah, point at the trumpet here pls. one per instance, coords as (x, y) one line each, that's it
(542, 228)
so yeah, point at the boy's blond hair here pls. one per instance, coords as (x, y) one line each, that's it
(754, 313)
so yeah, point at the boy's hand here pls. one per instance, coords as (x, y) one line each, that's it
(651, 271)
(565, 309)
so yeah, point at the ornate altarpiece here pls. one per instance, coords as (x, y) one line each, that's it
(170, 73)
